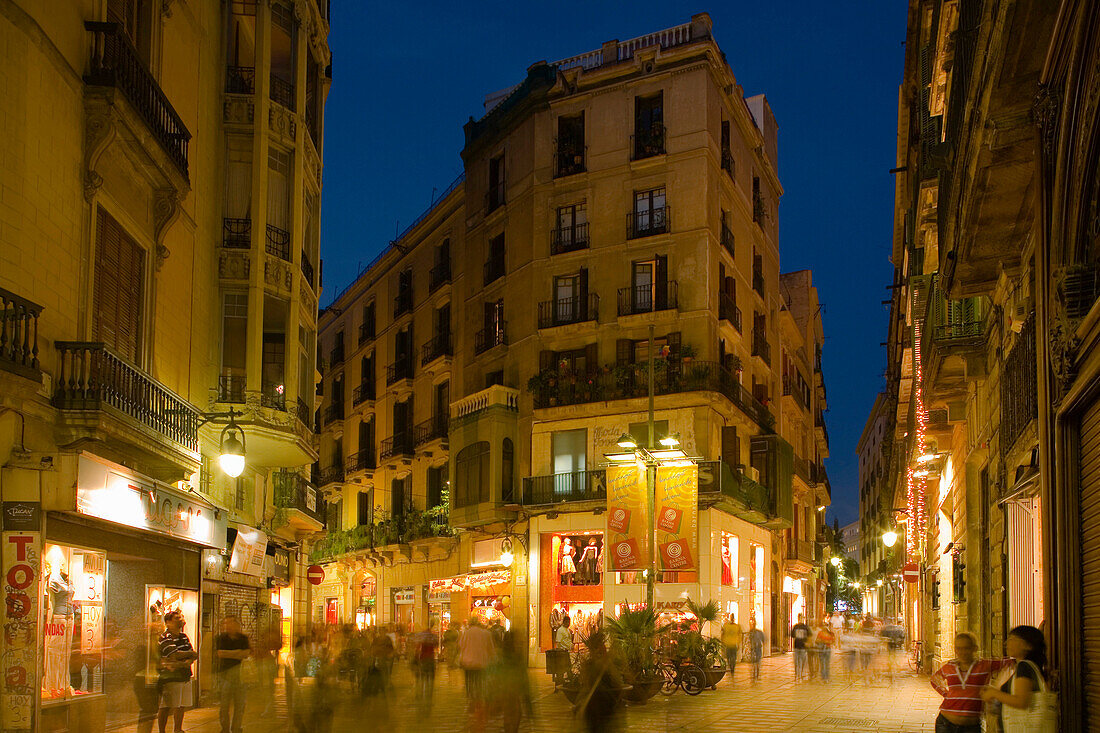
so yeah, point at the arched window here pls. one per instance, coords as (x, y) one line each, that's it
(507, 480)
(472, 475)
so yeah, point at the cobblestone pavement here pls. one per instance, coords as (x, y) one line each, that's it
(773, 704)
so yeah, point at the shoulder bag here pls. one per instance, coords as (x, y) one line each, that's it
(1041, 713)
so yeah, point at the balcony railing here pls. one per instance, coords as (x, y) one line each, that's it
(569, 158)
(493, 269)
(727, 161)
(336, 354)
(19, 335)
(364, 460)
(231, 388)
(760, 346)
(647, 222)
(365, 392)
(558, 488)
(727, 240)
(801, 550)
(273, 395)
(283, 92)
(759, 210)
(91, 377)
(731, 482)
(307, 269)
(399, 444)
(1019, 405)
(331, 474)
(439, 275)
(434, 428)
(646, 299)
(366, 331)
(494, 197)
(278, 242)
(240, 79)
(802, 469)
(487, 338)
(647, 143)
(792, 389)
(115, 63)
(559, 387)
(440, 345)
(294, 492)
(819, 424)
(236, 233)
(304, 413)
(398, 370)
(334, 413)
(403, 302)
(564, 311)
(569, 239)
(728, 311)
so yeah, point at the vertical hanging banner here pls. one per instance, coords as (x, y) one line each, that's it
(677, 507)
(627, 517)
(22, 562)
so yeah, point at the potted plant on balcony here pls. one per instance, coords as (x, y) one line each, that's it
(634, 634)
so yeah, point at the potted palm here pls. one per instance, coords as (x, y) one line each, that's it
(634, 634)
(706, 651)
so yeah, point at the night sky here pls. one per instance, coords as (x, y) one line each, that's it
(406, 77)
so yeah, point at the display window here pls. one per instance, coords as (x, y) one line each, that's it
(73, 621)
(730, 548)
(637, 577)
(584, 619)
(571, 581)
(756, 582)
(579, 558)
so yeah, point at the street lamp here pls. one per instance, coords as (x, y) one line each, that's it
(835, 561)
(231, 458)
(889, 538)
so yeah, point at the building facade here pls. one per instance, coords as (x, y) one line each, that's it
(482, 366)
(140, 306)
(876, 514)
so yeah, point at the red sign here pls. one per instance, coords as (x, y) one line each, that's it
(910, 572)
(315, 574)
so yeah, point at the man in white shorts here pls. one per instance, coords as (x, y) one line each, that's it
(176, 656)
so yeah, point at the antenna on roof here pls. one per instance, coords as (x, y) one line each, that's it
(434, 189)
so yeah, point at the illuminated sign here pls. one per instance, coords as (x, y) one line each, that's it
(112, 493)
(249, 551)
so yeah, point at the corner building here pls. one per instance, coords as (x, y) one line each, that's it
(482, 366)
(158, 263)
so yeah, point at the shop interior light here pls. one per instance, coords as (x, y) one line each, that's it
(921, 473)
(880, 583)
(889, 538)
(232, 456)
(506, 559)
(821, 508)
(627, 442)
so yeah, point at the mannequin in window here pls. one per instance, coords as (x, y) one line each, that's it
(568, 568)
(59, 633)
(587, 563)
(727, 565)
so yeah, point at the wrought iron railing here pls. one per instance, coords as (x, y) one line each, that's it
(115, 63)
(493, 269)
(801, 550)
(568, 239)
(758, 282)
(760, 345)
(364, 460)
(278, 242)
(273, 395)
(558, 488)
(19, 334)
(231, 388)
(494, 197)
(727, 161)
(331, 474)
(434, 428)
(307, 268)
(646, 298)
(569, 158)
(439, 275)
(728, 311)
(282, 91)
(727, 240)
(791, 388)
(1019, 391)
(240, 79)
(366, 331)
(398, 444)
(304, 413)
(295, 492)
(91, 377)
(403, 302)
(336, 354)
(647, 222)
(439, 345)
(402, 368)
(236, 233)
(647, 143)
(730, 481)
(334, 413)
(564, 311)
(487, 338)
(363, 393)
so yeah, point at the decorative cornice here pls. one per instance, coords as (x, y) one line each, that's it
(1044, 112)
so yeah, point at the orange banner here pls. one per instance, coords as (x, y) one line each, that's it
(677, 507)
(627, 518)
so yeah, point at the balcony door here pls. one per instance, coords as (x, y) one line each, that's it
(494, 320)
(568, 449)
(441, 399)
(366, 443)
(570, 294)
(649, 285)
(402, 423)
(649, 211)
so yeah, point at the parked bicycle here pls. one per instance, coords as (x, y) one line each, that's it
(684, 675)
(916, 656)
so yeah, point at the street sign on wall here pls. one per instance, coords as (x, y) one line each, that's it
(910, 572)
(315, 574)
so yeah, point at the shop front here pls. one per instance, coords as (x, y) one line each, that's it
(571, 583)
(366, 611)
(403, 606)
(112, 570)
(328, 597)
(439, 604)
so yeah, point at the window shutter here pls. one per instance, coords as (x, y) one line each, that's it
(674, 344)
(731, 446)
(582, 288)
(546, 360)
(624, 351)
(118, 289)
(591, 358)
(661, 279)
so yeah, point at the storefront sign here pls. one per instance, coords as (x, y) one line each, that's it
(404, 597)
(677, 502)
(249, 551)
(22, 516)
(627, 518)
(122, 497)
(488, 580)
(437, 598)
(281, 572)
(448, 585)
(22, 561)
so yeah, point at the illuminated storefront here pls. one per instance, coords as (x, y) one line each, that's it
(366, 607)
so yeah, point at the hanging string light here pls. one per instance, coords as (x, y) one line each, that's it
(916, 482)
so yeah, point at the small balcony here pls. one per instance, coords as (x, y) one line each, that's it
(569, 158)
(331, 474)
(365, 392)
(565, 311)
(647, 222)
(236, 233)
(752, 501)
(304, 413)
(115, 63)
(307, 269)
(240, 80)
(399, 370)
(231, 389)
(399, 445)
(336, 355)
(801, 551)
(728, 311)
(560, 488)
(493, 269)
(432, 429)
(282, 92)
(439, 346)
(647, 298)
(19, 335)
(273, 395)
(727, 241)
(487, 338)
(761, 347)
(439, 276)
(791, 389)
(366, 331)
(647, 143)
(278, 242)
(364, 460)
(305, 510)
(569, 239)
(758, 283)
(759, 210)
(334, 413)
(494, 197)
(803, 469)
(403, 303)
(727, 162)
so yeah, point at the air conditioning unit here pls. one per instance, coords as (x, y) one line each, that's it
(752, 473)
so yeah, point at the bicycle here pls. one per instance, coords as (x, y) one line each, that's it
(684, 675)
(916, 657)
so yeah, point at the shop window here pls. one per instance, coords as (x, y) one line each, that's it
(472, 475)
(572, 583)
(75, 595)
(730, 560)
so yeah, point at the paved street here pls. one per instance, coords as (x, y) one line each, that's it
(774, 704)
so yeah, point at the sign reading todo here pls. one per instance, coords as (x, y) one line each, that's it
(21, 553)
(627, 518)
(677, 502)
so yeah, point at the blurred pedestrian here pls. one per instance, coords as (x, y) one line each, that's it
(231, 648)
(512, 685)
(826, 642)
(731, 640)
(268, 644)
(476, 652)
(424, 648)
(960, 681)
(800, 635)
(756, 648)
(601, 687)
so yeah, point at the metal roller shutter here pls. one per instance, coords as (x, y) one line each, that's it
(1090, 557)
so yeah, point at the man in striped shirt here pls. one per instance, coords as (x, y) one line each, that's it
(960, 681)
(176, 657)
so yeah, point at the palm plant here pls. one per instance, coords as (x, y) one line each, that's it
(634, 635)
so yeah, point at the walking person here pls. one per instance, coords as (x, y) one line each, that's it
(731, 640)
(1027, 646)
(826, 642)
(756, 649)
(961, 681)
(476, 651)
(513, 686)
(176, 655)
(231, 647)
(800, 634)
(425, 645)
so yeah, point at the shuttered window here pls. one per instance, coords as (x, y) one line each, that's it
(1089, 452)
(119, 289)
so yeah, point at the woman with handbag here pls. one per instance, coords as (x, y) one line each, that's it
(1026, 702)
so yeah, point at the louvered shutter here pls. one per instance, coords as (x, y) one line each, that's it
(731, 446)
(118, 289)
(582, 288)
(661, 277)
(1089, 452)
(546, 360)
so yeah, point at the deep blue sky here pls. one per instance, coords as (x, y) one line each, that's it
(407, 76)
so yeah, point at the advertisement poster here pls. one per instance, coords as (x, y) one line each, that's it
(627, 518)
(677, 507)
(22, 558)
(249, 550)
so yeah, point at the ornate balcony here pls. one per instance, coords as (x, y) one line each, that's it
(647, 222)
(434, 428)
(646, 299)
(273, 395)
(240, 80)
(231, 389)
(278, 242)
(304, 413)
(19, 335)
(559, 488)
(565, 311)
(283, 93)
(397, 446)
(305, 510)
(307, 269)
(487, 338)
(236, 233)
(439, 346)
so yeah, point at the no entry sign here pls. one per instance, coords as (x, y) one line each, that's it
(910, 573)
(315, 574)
